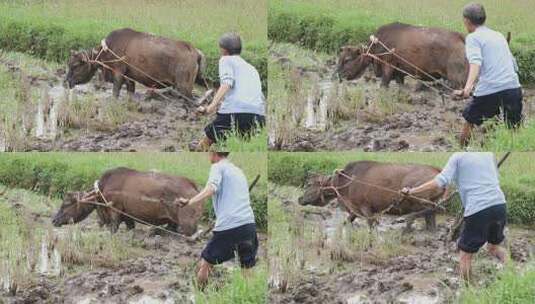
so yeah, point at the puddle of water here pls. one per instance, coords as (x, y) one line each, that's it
(49, 260)
(5, 279)
(46, 124)
(3, 145)
(418, 298)
(357, 299)
(146, 299)
(316, 115)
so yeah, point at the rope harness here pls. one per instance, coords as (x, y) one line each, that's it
(108, 204)
(105, 64)
(351, 179)
(374, 40)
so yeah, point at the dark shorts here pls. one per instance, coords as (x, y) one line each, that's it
(488, 106)
(243, 123)
(486, 226)
(225, 244)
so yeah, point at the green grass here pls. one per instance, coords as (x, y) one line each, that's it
(51, 29)
(326, 25)
(236, 143)
(504, 139)
(512, 286)
(237, 288)
(516, 174)
(54, 174)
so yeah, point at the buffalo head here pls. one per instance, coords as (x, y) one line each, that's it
(73, 209)
(352, 62)
(314, 192)
(81, 69)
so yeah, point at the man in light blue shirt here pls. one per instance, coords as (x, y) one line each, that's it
(476, 176)
(239, 101)
(235, 228)
(494, 68)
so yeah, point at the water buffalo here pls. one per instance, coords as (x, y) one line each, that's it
(148, 196)
(143, 57)
(366, 200)
(438, 52)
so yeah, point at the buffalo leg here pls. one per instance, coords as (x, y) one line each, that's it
(388, 73)
(130, 224)
(430, 221)
(400, 78)
(118, 81)
(351, 218)
(172, 227)
(131, 89)
(115, 222)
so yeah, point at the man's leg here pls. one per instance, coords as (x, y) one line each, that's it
(477, 110)
(203, 273)
(465, 265)
(466, 134)
(214, 132)
(497, 252)
(204, 144)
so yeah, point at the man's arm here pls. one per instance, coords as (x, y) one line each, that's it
(218, 99)
(428, 186)
(475, 59)
(441, 180)
(226, 78)
(201, 196)
(473, 74)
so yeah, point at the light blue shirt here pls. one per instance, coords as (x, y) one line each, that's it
(476, 177)
(231, 202)
(489, 49)
(245, 94)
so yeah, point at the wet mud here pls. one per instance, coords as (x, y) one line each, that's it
(406, 117)
(162, 272)
(149, 122)
(421, 270)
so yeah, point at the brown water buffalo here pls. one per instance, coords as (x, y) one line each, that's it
(366, 200)
(143, 57)
(436, 51)
(148, 196)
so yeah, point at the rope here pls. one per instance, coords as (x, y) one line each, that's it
(377, 215)
(105, 48)
(110, 205)
(375, 40)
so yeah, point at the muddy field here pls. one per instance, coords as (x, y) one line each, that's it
(84, 264)
(316, 258)
(88, 118)
(360, 114)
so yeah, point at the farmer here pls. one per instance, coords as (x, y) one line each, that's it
(235, 229)
(239, 101)
(494, 68)
(476, 177)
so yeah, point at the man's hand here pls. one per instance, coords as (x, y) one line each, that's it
(462, 93)
(406, 191)
(201, 110)
(182, 201)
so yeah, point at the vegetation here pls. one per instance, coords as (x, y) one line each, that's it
(54, 174)
(324, 25)
(512, 286)
(49, 30)
(516, 178)
(237, 288)
(23, 238)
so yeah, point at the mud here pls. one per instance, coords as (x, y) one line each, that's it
(423, 272)
(419, 118)
(153, 123)
(163, 272)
